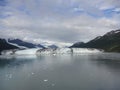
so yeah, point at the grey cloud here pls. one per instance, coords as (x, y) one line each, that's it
(56, 20)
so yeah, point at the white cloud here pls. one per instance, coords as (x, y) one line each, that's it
(58, 21)
(117, 10)
(77, 9)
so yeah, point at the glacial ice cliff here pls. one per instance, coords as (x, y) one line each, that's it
(67, 51)
(27, 51)
(20, 52)
(40, 51)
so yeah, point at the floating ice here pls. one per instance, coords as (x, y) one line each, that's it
(53, 85)
(45, 80)
(32, 73)
(9, 76)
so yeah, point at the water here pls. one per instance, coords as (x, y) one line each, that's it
(99, 71)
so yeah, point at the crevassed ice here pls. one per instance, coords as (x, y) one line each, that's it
(85, 50)
(55, 51)
(20, 52)
(67, 51)
(27, 51)
(50, 51)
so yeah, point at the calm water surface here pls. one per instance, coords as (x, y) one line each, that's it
(61, 72)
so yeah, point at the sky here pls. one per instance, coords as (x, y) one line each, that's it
(58, 21)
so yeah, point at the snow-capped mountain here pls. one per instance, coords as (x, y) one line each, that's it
(53, 46)
(109, 42)
(25, 44)
(4, 45)
(112, 33)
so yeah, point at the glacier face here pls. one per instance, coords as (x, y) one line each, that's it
(7, 52)
(54, 51)
(40, 51)
(85, 50)
(27, 51)
(20, 52)
(67, 51)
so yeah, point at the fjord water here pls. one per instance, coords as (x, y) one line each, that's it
(100, 71)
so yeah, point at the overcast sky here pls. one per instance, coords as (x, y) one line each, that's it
(58, 21)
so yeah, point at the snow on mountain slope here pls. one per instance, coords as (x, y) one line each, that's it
(25, 44)
(21, 47)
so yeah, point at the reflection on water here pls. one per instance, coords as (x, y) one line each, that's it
(109, 60)
(60, 72)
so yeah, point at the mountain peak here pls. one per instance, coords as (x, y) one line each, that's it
(112, 32)
(53, 46)
(4, 45)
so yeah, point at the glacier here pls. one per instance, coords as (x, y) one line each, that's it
(86, 50)
(8, 52)
(27, 51)
(49, 51)
(20, 52)
(68, 51)
(54, 51)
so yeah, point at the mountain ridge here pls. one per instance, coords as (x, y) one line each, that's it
(25, 43)
(4, 45)
(110, 42)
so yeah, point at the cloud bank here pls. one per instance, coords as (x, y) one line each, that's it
(58, 21)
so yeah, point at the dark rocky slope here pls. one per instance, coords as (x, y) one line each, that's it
(110, 42)
(4, 45)
(24, 43)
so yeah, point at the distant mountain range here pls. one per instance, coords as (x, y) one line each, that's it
(110, 42)
(53, 46)
(7, 44)
(24, 43)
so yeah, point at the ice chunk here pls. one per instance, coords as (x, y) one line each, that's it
(32, 73)
(53, 85)
(45, 80)
(8, 76)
